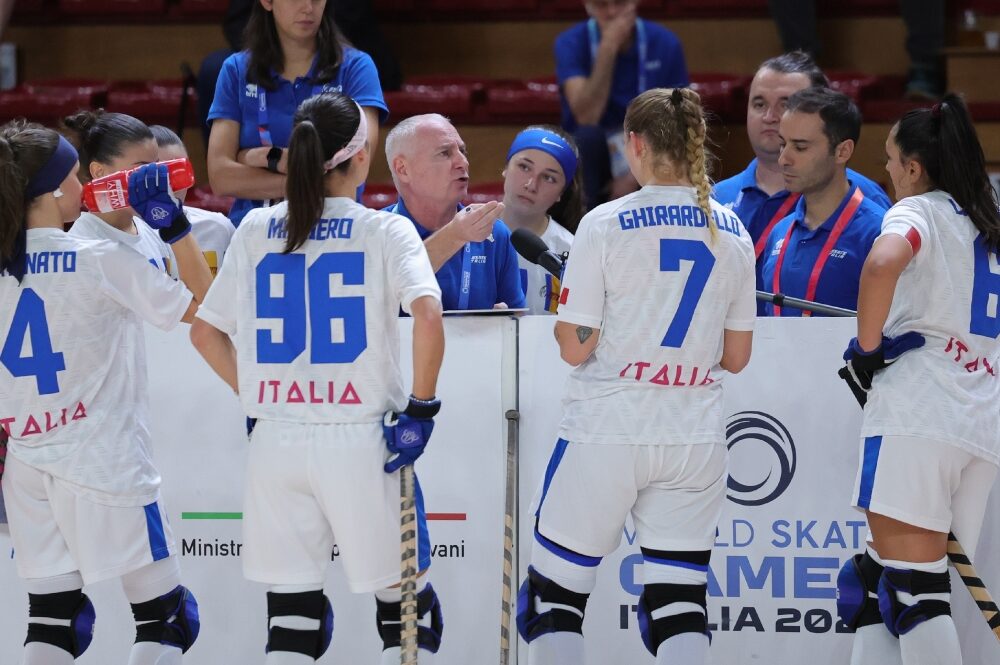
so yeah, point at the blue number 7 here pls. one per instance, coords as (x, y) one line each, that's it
(672, 252)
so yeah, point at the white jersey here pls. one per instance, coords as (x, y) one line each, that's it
(145, 240)
(645, 270)
(213, 231)
(317, 329)
(541, 288)
(72, 379)
(948, 389)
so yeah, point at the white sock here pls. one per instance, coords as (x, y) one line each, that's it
(556, 649)
(41, 653)
(875, 645)
(933, 642)
(683, 649)
(153, 653)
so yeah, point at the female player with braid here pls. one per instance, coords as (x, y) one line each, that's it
(929, 444)
(658, 297)
(312, 288)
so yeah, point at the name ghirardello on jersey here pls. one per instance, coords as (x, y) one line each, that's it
(662, 215)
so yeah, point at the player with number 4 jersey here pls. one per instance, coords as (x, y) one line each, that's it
(925, 368)
(312, 289)
(81, 491)
(657, 305)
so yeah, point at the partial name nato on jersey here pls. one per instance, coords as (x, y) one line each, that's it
(676, 215)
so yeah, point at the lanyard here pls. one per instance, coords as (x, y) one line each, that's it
(838, 228)
(465, 286)
(640, 38)
(782, 212)
(263, 119)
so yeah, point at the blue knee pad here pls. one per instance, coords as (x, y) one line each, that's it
(531, 624)
(73, 606)
(656, 631)
(857, 592)
(901, 618)
(387, 619)
(308, 604)
(171, 619)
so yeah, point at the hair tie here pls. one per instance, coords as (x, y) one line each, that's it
(353, 146)
(676, 97)
(936, 110)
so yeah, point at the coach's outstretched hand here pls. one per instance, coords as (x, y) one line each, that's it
(150, 195)
(407, 433)
(861, 365)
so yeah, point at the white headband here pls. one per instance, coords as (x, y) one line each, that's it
(353, 146)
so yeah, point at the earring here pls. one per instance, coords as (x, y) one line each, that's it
(57, 193)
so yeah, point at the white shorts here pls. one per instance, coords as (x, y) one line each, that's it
(675, 495)
(55, 531)
(309, 486)
(930, 484)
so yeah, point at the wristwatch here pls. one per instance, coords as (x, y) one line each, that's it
(273, 157)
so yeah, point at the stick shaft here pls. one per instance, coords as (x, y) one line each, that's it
(974, 584)
(508, 536)
(408, 562)
(782, 300)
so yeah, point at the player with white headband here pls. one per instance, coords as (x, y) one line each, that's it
(312, 289)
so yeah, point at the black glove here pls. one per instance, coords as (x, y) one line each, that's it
(860, 367)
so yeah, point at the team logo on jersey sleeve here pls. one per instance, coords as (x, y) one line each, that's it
(763, 468)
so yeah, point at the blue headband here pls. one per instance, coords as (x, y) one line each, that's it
(548, 142)
(52, 174)
(48, 179)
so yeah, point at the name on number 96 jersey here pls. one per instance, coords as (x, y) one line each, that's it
(949, 389)
(646, 271)
(316, 330)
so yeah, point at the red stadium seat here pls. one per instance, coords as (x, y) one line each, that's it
(390, 9)
(95, 90)
(153, 102)
(29, 7)
(84, 8)
(722, 8)
(203, 197)
(479, 6)
(378, 196)
(47, 108)
(855, 85)
(888, 110)
(485, 192)
(860, 7)
(203, 8)
(985, 111)
(523, 102)
(723, 95)
(452, 100)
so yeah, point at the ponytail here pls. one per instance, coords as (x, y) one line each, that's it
(100, 136)
(12, 203)
(304, 184)
(944, 141)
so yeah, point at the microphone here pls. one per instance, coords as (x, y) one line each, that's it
(534, 250)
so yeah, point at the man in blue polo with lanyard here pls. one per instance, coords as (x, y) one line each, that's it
(757, 194)
(602, 64)
(817, 251)
(469, 247)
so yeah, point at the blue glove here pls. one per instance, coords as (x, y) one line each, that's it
(150, 195)
(407, 433)
(860, 367)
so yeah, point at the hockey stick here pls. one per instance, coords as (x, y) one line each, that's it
(408, 562)
(781, 300)
(508, 536)
(959, 559)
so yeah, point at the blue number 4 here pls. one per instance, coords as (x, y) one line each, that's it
(985, 287)
(672, 252)
(30, 322)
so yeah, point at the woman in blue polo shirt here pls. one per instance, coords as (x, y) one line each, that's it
(817, 251)
(294, 51)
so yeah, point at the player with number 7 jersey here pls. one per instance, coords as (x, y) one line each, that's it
(657, 306)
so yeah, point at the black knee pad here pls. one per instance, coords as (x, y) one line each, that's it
(857, 592)
(901, 618)
(656, 596)
(308, 604)
(72, 606)
(171, 619)
(531, 624)
(388, 621)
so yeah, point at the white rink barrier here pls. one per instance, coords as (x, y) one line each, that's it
(785, 532)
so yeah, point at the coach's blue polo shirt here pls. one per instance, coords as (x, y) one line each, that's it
(236, 99)
(492, 265)
(838, 283)
(755, 208)
(664, 67)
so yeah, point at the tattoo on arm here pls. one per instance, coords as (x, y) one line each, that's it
(583, 333)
